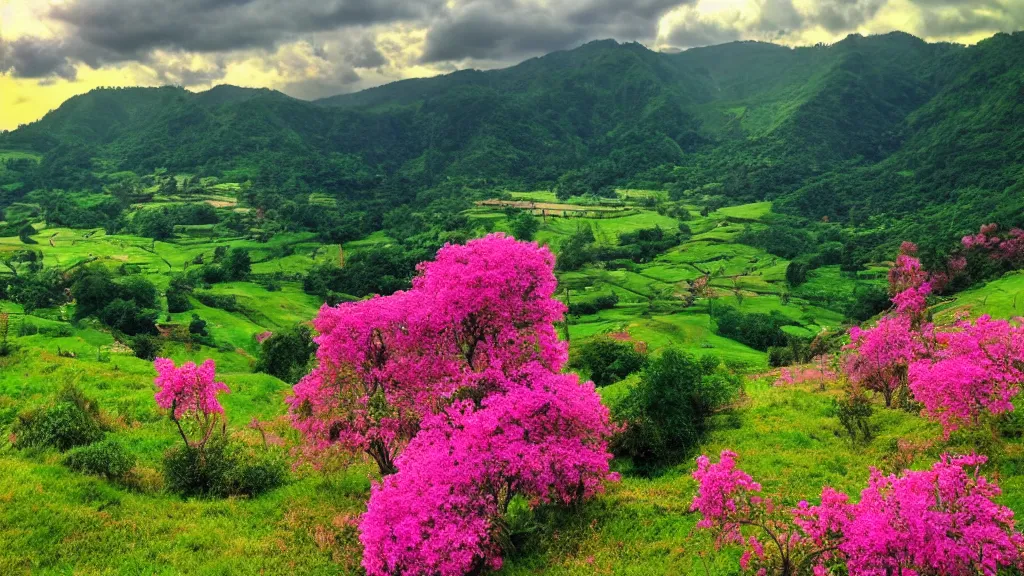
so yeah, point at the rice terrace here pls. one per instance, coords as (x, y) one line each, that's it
(443, 296)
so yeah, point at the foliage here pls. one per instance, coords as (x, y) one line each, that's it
(71, 420)
(975, 369)
(144, 346)
(939, 521)
(223, 467)
(108, 458)
(384, 363)
(668, 411)
(757, 330)
(287, 354)
(607, 360)
(542, 437)
(524, 226)
(593, 305)
(189, 393)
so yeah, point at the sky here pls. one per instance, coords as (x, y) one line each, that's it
(51, 50)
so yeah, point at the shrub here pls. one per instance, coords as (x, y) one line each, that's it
(27, 328)
(667, 413)
(288, 354)
(145, 346)
(72, 420)
(780, 356)
(854, 413)
(759, 331)
(108, 458)
(223, 468)
(593, 305)
(607, 360)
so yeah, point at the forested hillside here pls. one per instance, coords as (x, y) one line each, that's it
(866, 129)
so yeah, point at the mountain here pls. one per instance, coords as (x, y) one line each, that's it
(869, 127)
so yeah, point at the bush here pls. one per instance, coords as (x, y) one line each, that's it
(27, 328)
(780, 356)
(593, 305)
(607, 360)
(145, 346)
(668, 412)
(108, 458)
(854, 413)
(72, 420)
(222, 468)
(759, 331)
(226, 302)
(288, 354)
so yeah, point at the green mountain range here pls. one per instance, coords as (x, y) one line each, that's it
(887, 133)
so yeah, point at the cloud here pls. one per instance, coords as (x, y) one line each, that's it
(504, 30)
(40, 58)
(128, 29)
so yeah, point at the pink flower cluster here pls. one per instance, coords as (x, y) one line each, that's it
(474, 314)
(958, 373)
(974, 369)
(939, 521)
(1009, 248)
(453, 387)
(188, 390)
(543, 439)
(882, 355)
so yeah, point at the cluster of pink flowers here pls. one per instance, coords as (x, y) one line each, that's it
(938, 521)
(190, 393)
(453, 388)
(1009, 248)
(543, 439)
(973, 369)
(188, 390)
(262, 336)
(882, 355)
(958, 373)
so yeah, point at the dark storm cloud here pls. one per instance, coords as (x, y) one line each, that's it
(128, 29)
(29, 57)
(510, 30)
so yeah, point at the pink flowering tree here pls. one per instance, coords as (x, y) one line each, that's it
(881, 355)
(454, 389)
(544, 438)
(938, 521)
(977, 368)
(189, 393)
(474, 315)
(941, 521)
(776, 540)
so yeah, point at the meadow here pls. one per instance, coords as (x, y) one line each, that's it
(55, 521)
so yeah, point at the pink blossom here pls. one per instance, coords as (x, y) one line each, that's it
(189, 389)
(977, 368)
(881, 355)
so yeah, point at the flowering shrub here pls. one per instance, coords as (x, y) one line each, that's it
(882, 355)
(453, 388)
(190, 393)
(544, 439)
(976, 368)
(941, 521)
(476, 313)
(786, 541)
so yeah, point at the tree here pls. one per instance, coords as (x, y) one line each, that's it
(287, 354)
(543, 438)
(941, 521)
(384, 363)
(454, 389)
(237, 265)
(881, 355)
(975, 369)
(189, 393)
(667, 412)
(607, 360)
(524, 225)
